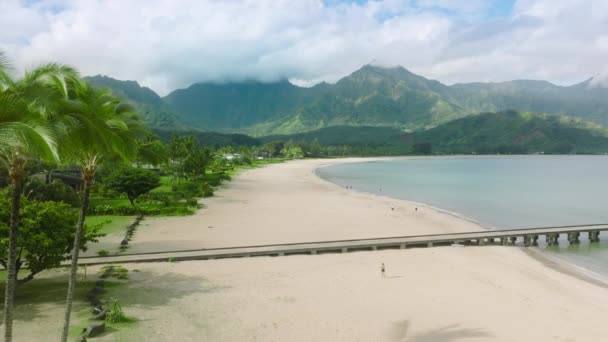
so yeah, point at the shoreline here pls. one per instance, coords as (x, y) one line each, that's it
(215, 226)
(566, 267)
(420, 204)
(490, 293)
(556, 263)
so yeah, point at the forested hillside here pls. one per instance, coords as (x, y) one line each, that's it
(370, 97)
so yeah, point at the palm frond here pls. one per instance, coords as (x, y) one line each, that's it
(5, 62)
(31, 140)
(5, 65)
(97, 125)
(23, 129)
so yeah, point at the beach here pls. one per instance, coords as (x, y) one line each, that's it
(286, 203)
(489, 293)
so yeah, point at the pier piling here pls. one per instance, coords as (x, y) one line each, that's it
(594, 236)
(534, 240)
(573, 238)
(552, 239)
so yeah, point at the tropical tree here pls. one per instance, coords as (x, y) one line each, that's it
(26, 108)
(96, 126)
(292, 151)
(46, 233)
(132, 181)
(151, 151)
(197, 162)
(177, 154)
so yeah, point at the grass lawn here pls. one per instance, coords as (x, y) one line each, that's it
(118, 224)
(165, 185)
(113, 202)
(39, 302)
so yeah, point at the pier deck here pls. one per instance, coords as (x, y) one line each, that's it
(528, 237)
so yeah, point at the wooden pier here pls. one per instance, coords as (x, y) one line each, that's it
(526, 237)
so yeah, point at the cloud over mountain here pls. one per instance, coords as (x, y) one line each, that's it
(166, 44)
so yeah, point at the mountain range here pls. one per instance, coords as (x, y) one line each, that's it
(372, 96)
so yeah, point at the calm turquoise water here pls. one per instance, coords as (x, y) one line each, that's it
(499, 192)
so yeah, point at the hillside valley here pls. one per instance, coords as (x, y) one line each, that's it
(371, 96)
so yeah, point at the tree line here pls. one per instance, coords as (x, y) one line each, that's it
(50, 118)
(49, 114)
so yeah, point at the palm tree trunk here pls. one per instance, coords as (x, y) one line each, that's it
(88, 180)
(16, 173)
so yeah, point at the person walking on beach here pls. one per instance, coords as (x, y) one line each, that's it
(383, 270)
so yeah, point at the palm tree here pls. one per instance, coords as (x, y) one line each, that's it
(26, 105)
(97, 126)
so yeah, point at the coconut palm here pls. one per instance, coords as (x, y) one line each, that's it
(26, 106)
(97, 126)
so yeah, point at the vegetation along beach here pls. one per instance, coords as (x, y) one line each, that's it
(315, 170)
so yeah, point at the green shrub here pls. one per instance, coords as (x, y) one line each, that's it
(103, 252)
(102, 209)
(114, 313)
(117, 272)
(57, 191)
(161, 197)
(147, 208)
(207, 190)
(176, 211)
(190, 189)
(246, 160)
(46, 232)
(214, 179)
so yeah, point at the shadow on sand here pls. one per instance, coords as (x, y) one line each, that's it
(35, 299)
(32, 299)
(449, 333)
(149, 289)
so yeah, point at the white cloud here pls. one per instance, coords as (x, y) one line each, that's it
(166, 44)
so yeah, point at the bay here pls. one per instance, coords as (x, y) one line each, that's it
(499, 192)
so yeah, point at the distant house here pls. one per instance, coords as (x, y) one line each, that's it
(148, 167)
(261, 155)
(71, 176)
(232, 156)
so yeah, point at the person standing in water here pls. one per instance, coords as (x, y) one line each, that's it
(383, 270)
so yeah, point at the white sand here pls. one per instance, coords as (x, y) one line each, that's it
(430, 295)
(437, 294)
(287, 202)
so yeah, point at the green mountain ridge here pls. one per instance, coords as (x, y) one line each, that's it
(507, 132)
(514, 132)
(155, 112)
(371, 96)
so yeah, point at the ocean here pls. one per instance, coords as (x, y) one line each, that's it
(499, 192)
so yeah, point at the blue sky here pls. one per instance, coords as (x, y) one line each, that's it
(171, 44)
(489, 8)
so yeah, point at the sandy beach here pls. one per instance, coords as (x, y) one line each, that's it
(437, 294)
(286, 203)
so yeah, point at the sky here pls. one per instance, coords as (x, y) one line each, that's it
(170, 44)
